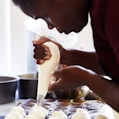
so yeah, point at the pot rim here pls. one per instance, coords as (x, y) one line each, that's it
(29, 76)
(15, 78)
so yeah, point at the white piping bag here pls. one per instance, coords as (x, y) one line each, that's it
(45, 71)
(40, 28)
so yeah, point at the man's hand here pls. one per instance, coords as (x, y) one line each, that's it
(42, 52)
(69, 78)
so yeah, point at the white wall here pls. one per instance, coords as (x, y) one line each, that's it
(16, 50)
(13, 40)
(18, 41)
(21, 44)
(4, 39)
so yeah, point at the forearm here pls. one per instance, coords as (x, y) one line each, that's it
(85, 59)
(106, 89)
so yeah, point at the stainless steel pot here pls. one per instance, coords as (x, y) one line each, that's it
(28, 86)
(8, 87)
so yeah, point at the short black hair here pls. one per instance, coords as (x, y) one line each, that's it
(24, 2)
(20, 2)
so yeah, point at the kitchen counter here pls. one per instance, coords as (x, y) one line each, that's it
(5, 108)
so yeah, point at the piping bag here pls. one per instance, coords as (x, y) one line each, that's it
(40, 28)
(45, 71)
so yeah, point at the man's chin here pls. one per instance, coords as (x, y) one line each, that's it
(71, 29)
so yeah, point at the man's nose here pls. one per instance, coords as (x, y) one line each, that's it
(50, 26)
(49, 22)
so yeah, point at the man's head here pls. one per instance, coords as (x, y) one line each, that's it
(65, 15)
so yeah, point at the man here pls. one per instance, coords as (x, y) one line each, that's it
(84, 68)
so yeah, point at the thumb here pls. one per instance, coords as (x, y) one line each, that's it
(55, 86)
(41, 40)
(59, 84)
(58, 73)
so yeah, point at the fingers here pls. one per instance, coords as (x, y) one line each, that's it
(59, 84)
(69, 78)
(41, 40)
(41, 52)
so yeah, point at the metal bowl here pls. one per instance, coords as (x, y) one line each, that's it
(8, 87)
(28, 86)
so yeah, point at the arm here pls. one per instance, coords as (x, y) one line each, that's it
(82, 58)
(68, 56)
(106, 89)
(75, 76)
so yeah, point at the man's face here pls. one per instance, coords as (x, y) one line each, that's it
(65, 15)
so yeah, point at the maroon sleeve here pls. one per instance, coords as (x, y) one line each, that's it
(105, 25)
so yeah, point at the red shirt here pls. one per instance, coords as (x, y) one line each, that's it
(105, 25)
